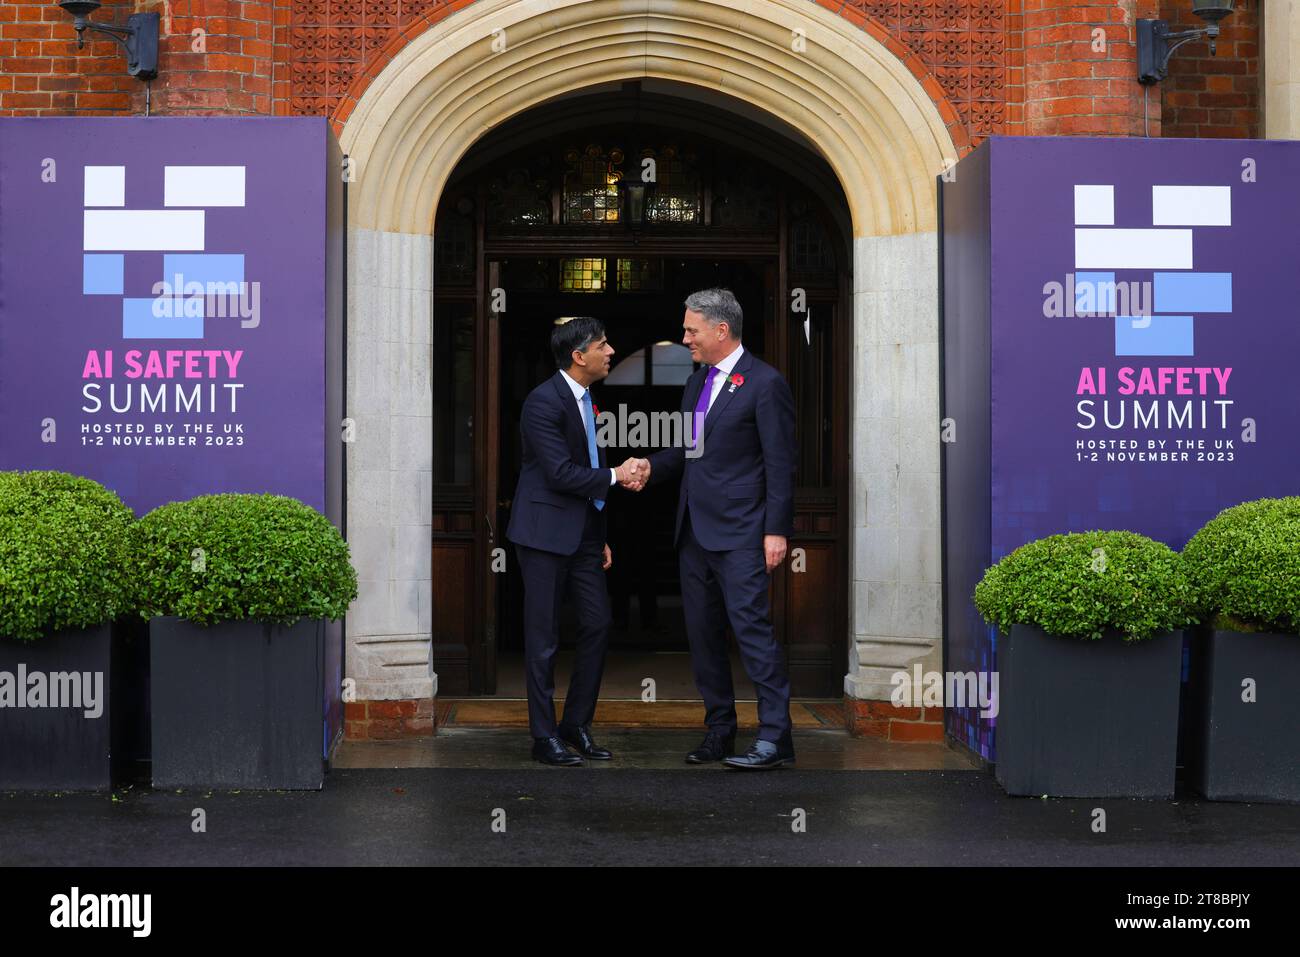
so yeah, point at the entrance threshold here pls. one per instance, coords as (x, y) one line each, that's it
(685, 714)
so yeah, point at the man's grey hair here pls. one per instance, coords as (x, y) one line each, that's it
(717, 305)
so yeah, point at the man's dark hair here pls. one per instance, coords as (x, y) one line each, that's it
(576, 333)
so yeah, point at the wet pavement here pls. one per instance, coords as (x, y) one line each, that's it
(473, 797)
(642, 749)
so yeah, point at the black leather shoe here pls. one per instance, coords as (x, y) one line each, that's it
(715, 747)
(580, 738)
(762, 755)
(552, 751)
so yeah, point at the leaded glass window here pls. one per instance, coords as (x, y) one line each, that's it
(743, 199)
(676, 196)
(591, 193)
(810, 251)
(519, 199)
(640, 275)
(453, 249)
(582, 275)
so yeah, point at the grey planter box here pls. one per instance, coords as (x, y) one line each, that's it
(1238, 750)
(238, 704)
(1087, 718)
(57, 748)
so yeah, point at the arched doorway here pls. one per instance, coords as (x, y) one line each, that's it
(547, 216)
(785, 64)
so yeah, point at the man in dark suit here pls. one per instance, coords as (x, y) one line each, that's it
(557, 524)
(735, 514)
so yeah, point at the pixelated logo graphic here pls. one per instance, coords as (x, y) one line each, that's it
(1163, 252)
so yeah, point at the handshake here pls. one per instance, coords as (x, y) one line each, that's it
(633, 474)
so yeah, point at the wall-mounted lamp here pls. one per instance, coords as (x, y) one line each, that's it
(1155, 44)
(635, 197)
(139, 37)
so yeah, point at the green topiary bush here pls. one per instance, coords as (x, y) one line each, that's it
(232, 556)
(1080, 584)
(1244, 567)
(64, 554)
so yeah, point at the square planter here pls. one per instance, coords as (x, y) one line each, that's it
(56, 747)
(239, 704)
(1239, 750)
(1087, 718)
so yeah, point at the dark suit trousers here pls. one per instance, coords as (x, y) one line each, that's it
(547, 576)
(732, 585)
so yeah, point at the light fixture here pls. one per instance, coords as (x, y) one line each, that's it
(635, 196)
(139, 37)
(1155, 44)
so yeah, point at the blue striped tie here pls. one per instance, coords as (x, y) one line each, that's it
(589, 420)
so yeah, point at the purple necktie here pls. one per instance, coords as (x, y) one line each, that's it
(702, 403)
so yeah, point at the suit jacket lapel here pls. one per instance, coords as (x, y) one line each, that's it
(725, 395)
(577, 429)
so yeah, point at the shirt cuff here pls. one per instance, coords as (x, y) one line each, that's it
(613, 477)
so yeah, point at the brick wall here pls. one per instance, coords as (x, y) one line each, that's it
(226, 68)
(378, 720)
(1215, 96)
(883, 719)
(1077, 86)
(1004, 66)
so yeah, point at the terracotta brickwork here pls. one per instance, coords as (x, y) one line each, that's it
(1080, 69)
(389, 719)
(991, 66)
(882, 719)
(215, 57)
(1215, 96)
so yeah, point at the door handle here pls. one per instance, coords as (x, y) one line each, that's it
(492, 533)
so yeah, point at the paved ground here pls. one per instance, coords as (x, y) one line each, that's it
(638, 815)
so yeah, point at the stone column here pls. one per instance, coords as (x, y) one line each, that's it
(390, 464)
(896, 610)
(1281, 69)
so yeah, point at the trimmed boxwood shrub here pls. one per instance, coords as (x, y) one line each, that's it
(1063, 586)
(234, 556)
(64, 554)
(1244, 567)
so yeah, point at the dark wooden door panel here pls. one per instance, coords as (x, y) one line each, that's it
(453, 619)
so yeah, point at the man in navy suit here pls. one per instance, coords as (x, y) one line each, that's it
(735, 514)
(557, 524)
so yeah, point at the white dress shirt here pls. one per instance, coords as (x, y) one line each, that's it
(724, 371)
(578, 392)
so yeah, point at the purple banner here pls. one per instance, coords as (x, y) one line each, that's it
(163, 303)
(1119, 346)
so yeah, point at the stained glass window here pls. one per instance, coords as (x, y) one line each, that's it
(519, 199)
(528, 274)
(453, 250)
(582, 275)
(591, 192)
(810, 251)
(676, 197)
(743, 199)
(640, 275)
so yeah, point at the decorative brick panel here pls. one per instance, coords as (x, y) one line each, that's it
(963, 45)
(331, 42)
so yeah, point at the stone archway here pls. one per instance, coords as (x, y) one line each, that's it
(840, 87)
